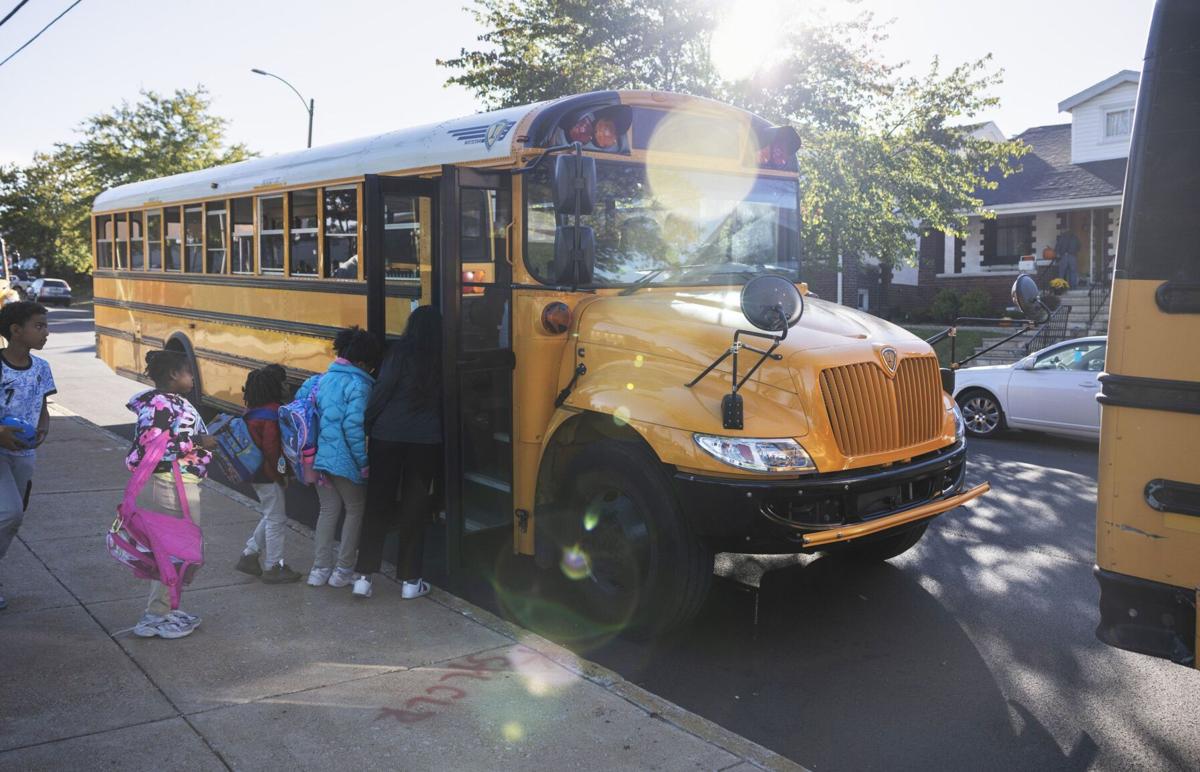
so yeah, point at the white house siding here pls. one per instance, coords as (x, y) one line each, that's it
(1045, 231)
(1087, 125)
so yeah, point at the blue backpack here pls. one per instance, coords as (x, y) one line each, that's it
(299, 423)
(237, 454)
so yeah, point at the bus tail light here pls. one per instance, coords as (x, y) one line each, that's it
(556, 317)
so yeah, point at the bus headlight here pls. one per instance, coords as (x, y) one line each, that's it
(959, 425)
(759, 455)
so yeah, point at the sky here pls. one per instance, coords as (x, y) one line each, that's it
(370, 65)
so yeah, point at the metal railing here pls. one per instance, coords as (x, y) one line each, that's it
(1052, 331)
(1097, 298)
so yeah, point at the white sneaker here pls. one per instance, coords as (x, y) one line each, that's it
(410, 590)
(318, 576)
(362, 587)
(181, 616)
(341, 577)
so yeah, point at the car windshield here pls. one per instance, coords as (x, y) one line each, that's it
(55, 283)
(673, 226)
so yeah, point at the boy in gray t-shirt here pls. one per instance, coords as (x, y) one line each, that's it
(25, 383)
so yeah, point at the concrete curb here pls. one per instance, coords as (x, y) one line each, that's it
(653, 705)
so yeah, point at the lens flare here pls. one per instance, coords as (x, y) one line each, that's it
(590, 520)
(621, 415)
(513, 732)
(575, 563)
(639, 360)
(629, 386)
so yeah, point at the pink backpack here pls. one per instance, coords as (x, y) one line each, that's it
(153, 544)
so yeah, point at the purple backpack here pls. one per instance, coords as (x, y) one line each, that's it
(153, 544)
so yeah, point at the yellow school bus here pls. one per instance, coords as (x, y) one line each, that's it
(592, 258)
(1148, 510)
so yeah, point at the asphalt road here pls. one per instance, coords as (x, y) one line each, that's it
(972, 651)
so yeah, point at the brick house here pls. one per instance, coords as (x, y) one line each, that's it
(1071, 179)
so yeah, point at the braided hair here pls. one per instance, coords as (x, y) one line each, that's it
(162, 366)
(264, 386)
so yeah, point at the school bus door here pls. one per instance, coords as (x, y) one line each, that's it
(475, 212)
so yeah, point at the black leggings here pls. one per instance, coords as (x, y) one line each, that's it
(409, 468)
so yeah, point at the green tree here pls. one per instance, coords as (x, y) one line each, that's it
(45, 206)
(885, 154)
(543, 49)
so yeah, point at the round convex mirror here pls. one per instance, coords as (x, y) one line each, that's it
(772, 303)
(1025, 295)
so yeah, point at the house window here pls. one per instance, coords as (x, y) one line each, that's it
(1118, 123)
(1007, 239)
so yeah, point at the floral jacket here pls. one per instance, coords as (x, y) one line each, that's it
(159, 412)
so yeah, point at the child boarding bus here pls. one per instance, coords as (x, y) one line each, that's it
(588, 256)
(1148, 508)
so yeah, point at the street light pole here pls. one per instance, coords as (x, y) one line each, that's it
(309, 106)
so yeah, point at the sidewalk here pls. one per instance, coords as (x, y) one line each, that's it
(289, 676)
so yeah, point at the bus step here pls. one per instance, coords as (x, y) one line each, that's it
(488, 482)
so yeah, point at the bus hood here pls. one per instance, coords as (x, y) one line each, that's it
(696, 325)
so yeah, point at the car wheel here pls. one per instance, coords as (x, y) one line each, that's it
(982, 414)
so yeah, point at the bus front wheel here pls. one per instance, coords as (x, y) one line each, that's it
(631, 560)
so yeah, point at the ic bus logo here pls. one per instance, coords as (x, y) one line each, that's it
(484, 135)
(890, 357)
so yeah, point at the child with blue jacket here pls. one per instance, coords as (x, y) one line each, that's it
(342, 393)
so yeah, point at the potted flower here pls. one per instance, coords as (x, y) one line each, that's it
(1059, 286)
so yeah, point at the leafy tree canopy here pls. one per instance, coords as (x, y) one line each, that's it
(886, 153)
(45, 206)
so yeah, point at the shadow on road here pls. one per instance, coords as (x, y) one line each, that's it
(844, 667)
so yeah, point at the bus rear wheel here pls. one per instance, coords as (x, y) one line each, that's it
(633, 563)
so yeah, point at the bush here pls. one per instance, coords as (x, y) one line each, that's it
(977, 303)
(944, 307)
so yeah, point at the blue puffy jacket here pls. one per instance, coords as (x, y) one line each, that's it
(341, 402)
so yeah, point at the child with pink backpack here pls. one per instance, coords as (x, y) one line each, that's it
(175, 483)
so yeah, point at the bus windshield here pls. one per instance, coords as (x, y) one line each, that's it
(673, 226)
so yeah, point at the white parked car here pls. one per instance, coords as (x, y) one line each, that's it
(51, 291)
(1052, 390)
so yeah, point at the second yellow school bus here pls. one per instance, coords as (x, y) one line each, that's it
(574, 333)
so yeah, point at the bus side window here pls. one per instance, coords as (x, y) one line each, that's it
(154, 234)
(121, 242)
(302, 232)
(193, 238)
(270, 234)
(104, 235)
(173, 237)
(137, 252)
(341, 232)
(242, 243)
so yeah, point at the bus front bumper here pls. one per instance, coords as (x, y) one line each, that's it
(812, 513)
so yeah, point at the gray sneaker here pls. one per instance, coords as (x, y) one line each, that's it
(179, 615)
(152, 626)
(341, 577)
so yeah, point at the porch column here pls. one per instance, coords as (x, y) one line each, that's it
(1092, 245)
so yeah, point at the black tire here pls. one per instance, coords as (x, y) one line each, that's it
(983, 416)
(639, 566)
(883, 548)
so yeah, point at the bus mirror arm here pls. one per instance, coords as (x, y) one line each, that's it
(732, 415)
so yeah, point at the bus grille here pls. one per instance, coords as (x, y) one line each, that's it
(871, 413)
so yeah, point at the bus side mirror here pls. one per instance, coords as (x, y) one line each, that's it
(574, 263)
(574, 183)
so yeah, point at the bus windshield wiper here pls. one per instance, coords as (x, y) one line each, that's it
(642, 281)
